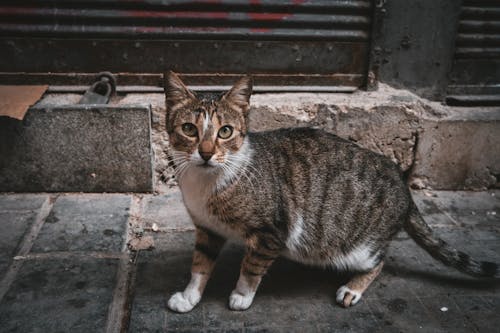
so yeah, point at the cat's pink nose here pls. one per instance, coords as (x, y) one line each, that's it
(206, 155)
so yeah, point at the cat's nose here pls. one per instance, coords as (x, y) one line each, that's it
(206, 155)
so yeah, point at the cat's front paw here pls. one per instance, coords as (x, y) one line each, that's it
(182, 303)
(347, 297)
(240, 302)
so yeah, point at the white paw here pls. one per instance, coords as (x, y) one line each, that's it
(180, 302)
(347, 297)
(240, 302)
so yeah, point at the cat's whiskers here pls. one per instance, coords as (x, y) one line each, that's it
(249, 164)
(177, 161)
(243, 172)
(180, 170)
(227, 176)
(175, 156)
(250, 170)
(181, 162)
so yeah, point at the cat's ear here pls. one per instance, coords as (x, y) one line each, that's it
(239, 95)
(176, 92)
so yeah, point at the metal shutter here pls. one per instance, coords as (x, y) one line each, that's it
(290, 43)
(475, 76)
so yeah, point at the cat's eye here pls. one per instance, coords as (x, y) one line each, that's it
(189, 129)
(225, 132)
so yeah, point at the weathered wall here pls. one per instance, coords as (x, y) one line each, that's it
(386, 126)
(440, 147)
(461, 151)
(413, 44)
(429, 141)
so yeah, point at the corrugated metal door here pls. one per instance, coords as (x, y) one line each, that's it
(475, 76)
(290, 42)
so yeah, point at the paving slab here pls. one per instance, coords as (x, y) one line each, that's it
(447, 313)
(167, 211)
(21, 202)
(59, 296)
(155, 280)
(165, 270)
(17, 225)
(409, 267)
(70, 291)
(17, 214)
(472, 209)
(459, 208)
(85, 222)
(481, 312)
(404, 314)
(407, 296)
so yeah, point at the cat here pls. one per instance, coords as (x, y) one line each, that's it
(301, 193)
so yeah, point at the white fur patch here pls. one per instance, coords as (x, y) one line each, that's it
(343, 290)
(185, 301)
(240, 302)
(242, 297)
(360, 258)
(206, 121)
(294, 238)
(198, 183)
(196, 186)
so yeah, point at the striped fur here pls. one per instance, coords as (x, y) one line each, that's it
(301, 193)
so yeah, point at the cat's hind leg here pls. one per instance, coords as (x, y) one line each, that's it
(207, 248)
(350, 293)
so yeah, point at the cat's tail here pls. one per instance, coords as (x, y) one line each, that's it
(422, 234)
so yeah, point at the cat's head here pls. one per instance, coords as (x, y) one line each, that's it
(207, 133)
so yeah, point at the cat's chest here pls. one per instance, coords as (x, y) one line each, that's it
(196, 191)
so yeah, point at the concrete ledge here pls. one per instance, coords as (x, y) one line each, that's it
(460, 151)
(384, 121)
(440, 147)
(77, 148)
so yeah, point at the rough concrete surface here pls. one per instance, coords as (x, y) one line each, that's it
(389, 121)
(460, 154)
(59, 296)
(77, 148)
(159, 138)
(103, 287)
(17, 215)
(174, 218)
(431, 142)
(85, 223)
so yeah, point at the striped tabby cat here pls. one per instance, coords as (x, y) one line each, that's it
(301, 193)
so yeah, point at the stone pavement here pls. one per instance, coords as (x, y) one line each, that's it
(65, 267)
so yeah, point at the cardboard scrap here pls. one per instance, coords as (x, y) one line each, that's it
(15, 100)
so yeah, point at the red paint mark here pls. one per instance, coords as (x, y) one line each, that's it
(184, 14)
(24, 10)
(145, 29)
(268, 16)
